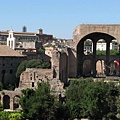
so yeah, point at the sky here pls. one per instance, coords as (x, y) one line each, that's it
(57, 17)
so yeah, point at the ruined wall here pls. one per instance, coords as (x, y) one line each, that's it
(8, 67)
(31, 76)
(72, 63)
(55, 64)
(63, 67)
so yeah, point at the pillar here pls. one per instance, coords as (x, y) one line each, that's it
(94, 58)
(11, 104)
(107, 58)
(55, 64)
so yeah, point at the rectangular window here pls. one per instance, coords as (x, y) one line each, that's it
(3, 71)
(11, 71)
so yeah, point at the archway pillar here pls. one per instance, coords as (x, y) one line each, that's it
(107, 57)
(11, 104)
(94, 59)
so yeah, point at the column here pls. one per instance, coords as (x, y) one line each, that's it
(11, 104)
(8, 41)
(94, 58)
(107, 58)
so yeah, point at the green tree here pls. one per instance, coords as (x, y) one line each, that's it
(94, 100)
(34, 63)
(74, 95)
(1, 86)
(21, 68)
(38, 104)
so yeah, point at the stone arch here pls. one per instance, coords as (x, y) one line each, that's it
(100, 68)
(114, 67)
(16, 102)
(84, 29)
(87, 68)
(6, 102)
(95, 36)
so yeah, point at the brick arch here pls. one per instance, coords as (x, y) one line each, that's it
(6, 102)
(87, 67)
(114, 68)
(16, 102)
(100, 67)
(82, 30)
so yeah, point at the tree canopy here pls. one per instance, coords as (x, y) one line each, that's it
(34, 63)
(37, 104)
(94, 100)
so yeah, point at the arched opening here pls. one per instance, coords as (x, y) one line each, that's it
(87, 68)
(88, 47)
(6, 102)
(114, 68)
(100, 42)
(100, 68)
(101, 47)
(16, 102)
(114, 47)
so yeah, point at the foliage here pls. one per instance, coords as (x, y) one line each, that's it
(1, 106)
(94, 100)
(41, 50)
(15, 116)
(61, 111)
(4, 115)
(1, 86)
(103, 52)
(118, 102)
(34, 63)
(38, 104)
(88, 44)
(114, 52)
(100, 52)
(21, 68)
(11, 115)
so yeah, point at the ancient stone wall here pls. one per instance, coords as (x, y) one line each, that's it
(8, 67)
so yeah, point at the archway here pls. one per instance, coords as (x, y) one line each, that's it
(94, 37)
(6, 102)
(114, 68)
(100, 68)
(16, 102)
(87, 68)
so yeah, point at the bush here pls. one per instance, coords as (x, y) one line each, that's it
(11, 115)
(1, 107)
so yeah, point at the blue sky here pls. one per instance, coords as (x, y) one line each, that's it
(57, 17)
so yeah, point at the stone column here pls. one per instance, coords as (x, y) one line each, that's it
(94, 58)
(107, 58)
(11, 104)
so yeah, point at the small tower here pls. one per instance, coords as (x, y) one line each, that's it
(40, 31)
(24, 29)
(11, 41)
